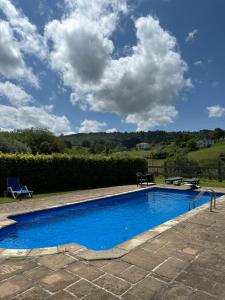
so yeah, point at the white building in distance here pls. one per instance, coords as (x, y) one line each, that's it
(143, 146)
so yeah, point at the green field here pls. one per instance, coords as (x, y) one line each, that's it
(208, 154)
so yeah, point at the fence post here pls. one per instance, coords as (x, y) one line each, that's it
(219, 171)
(165, 169)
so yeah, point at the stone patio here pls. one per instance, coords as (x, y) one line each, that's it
(186, 261)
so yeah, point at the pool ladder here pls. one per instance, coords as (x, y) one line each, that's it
(199, 196)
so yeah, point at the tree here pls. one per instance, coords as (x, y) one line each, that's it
(8, 145)
(192, 145)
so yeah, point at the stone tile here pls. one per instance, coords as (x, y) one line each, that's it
(170, 268)
(62, 295)
(196, 281)
(176, 291)
(70, 248)
(36, 273)
(11, 267)
(116, 267)
(82, 288)
(129, 296)
(85, 270)
(57, 280)
(198, 295)
(99, 263)
(13, 286)
(144, 259)
(56, 261)
(99, 255)
(131, 244)
(155, 244)
(190, 251)
(133, 274)
(100, 295)
(35, 293)
(113, 284)
(214, 275)
(43, 251)
(146, 289)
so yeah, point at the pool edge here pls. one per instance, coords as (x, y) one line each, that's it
(88, 254)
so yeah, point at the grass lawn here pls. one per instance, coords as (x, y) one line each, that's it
(10, 199)
(203, 182)
(208, 154)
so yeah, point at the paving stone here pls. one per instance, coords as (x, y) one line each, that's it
(8, 268)
(35, 293)
(198, 295)
(133, 274)
(170, 268)
(116, 267)
(82, 288)
(176, 291)
(56, 261)
(155, 244)
(196, 281)
(62, 295)
(36, 273)
(144, 259)
(214, 275)
(57, 280)
(146, 289)
(84, 270)
(100, 295)
(13, 286)
(99, 263)
(113, 284)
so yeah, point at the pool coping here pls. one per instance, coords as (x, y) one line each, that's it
(88, 254)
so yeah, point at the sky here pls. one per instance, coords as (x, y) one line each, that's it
(74, 66)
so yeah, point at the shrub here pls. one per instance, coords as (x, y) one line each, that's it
(61, 172)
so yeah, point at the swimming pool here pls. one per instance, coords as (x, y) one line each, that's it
(100, 224)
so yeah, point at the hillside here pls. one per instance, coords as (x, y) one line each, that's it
(208, 154)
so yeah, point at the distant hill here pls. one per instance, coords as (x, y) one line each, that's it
(208, 154)
(130, 139)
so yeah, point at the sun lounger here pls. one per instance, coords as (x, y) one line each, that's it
(194, 180)
(14, 188)
(174, 180)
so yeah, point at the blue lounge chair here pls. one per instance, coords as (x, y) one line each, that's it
(14, 188)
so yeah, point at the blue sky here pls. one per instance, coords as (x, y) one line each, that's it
(100, 65)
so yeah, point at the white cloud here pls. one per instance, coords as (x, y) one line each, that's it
(91, 126)
(15, 94)
(12, 64)
(111, 130)
(161, 115)
(30, 116)
(198, 63)
(192, 35)
(216, 111)
(28, 38)
(135, 86)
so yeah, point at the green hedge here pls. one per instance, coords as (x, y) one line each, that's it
(50, 173)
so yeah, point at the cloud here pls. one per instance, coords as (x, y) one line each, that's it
(111, 130)
(192, 35)
(150, 76)
(216, 111)
(198, 63)
(30, 116)
(12, 64)
(157, 116)
(28, 38)
(215, 84)
(91, 126)
(15, 94)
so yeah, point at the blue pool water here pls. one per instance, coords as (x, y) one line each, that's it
(100, 224)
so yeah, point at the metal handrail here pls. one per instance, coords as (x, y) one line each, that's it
(198, 197)
(213, 199)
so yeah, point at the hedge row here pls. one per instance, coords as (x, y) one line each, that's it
(50, 173)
